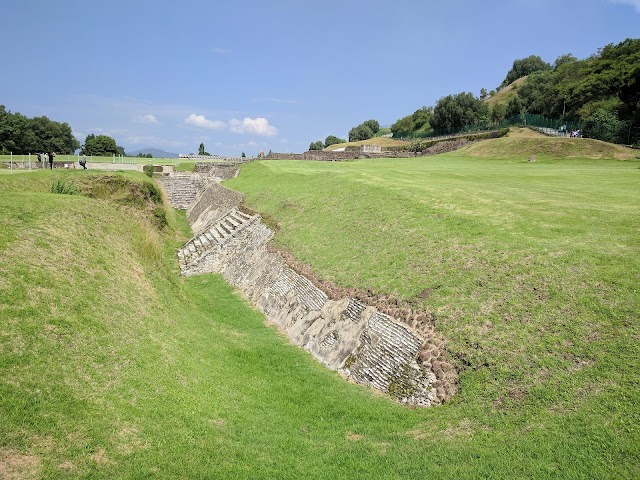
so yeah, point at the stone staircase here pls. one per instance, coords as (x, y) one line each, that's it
(213, 237)
(182, 188)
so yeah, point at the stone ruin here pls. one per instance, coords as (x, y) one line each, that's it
(346, 334)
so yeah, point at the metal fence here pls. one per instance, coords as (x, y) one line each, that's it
(522, 120)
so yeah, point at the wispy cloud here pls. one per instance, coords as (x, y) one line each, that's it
(148, 119)
(634, 3)
(257, 126)
(201, 121)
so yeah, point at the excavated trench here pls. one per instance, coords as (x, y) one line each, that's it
(368, 338)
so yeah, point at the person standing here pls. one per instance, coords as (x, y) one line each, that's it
(83, 162)
(45, 159)
(52, 156)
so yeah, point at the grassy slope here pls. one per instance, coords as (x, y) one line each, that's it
(522, 143)
(533, 269)
(505, 94)
(112, 366)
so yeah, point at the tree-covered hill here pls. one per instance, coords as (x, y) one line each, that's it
(602, 92)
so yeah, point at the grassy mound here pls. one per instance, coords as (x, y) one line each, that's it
(113, 366)
(521, 145)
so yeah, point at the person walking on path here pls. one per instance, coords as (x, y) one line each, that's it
(45, 159)
(52, 156)
(83, 162)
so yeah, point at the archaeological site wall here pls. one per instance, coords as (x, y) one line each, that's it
(344, 333)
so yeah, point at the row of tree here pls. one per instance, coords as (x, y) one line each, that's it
(364, 131)
(22, 135)
(602, 92)
(330, 140)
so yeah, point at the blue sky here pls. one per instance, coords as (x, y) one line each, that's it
(258, 75)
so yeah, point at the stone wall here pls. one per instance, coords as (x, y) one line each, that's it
(223, 171)
(370, 347)
(211, 204)
(329, 156)
(182, 188)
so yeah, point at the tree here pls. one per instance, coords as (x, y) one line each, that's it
(99, 146)
(22, 135)
(421, 118)
(202, 151)
(498, 112)
(316, 145)
(361, 132)
(514, 107)
(483, 93)
(564, 59)
(525, 66)
(456, 111)
(243, 155)
(604, 125)
(373, 125)
(403, 127)
(332, 140)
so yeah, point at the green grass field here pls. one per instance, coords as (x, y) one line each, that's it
(113, 366)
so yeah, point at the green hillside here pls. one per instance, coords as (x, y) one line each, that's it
(113, 366)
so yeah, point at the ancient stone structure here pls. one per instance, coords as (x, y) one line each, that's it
(366, 345)
(370, 148)
(222, 170)
(182, 188)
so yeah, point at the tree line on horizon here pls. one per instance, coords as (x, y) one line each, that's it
(22, 135)
(601, 92)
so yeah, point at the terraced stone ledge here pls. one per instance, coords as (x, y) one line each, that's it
(366, 345)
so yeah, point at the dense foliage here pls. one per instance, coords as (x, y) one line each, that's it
(605, 85)
(456, 111)
(22, 135)
(525, 66)
(99, 146)
(316, 145)
(418, 120)
(333, 140)
(601, 92)
(364, 131)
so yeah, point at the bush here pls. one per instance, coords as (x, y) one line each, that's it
(148, 170)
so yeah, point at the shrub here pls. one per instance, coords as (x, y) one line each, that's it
(148, 170)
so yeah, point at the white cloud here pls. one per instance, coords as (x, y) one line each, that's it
(149, 119)
(634, 3)
(201, 121)
(256, 126)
